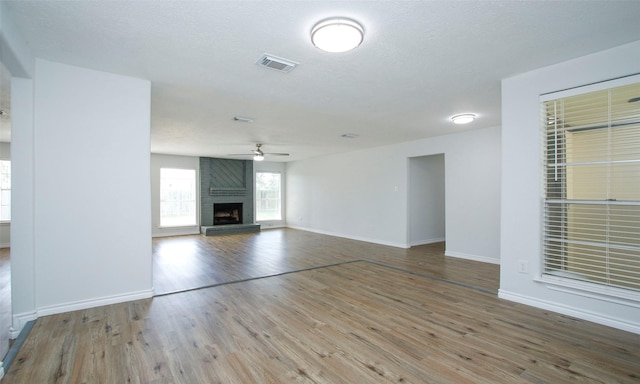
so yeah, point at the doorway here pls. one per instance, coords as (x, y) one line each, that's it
(426, 200)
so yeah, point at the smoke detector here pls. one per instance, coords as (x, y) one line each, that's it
(277, 63)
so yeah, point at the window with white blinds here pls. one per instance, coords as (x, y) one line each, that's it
(591, 148)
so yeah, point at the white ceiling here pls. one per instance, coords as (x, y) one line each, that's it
(420, 63)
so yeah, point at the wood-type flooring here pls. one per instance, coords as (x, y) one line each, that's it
(185, 262)
(379, 318)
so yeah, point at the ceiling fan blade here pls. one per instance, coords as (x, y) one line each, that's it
(258, 152)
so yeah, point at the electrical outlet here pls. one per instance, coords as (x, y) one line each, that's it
(523, 266)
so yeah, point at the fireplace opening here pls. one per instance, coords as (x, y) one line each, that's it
(227, 213)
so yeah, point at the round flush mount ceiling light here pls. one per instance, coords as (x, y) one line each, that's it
(463, 118)
(337, 35)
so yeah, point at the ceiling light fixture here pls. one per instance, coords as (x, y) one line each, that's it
(337, 35)
(463, 118)
(258, 157)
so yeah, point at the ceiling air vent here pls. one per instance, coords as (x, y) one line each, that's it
(277, 63)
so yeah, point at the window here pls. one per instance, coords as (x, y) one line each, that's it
(592, 186)
(5, 190)
(268, 197)
(177, 197)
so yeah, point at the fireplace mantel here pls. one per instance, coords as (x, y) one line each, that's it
(217, 191)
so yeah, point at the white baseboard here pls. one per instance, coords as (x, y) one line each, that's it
(20, 320)
(427, 241)
(268, 225)
(98, 302)
(176, 232)
(365, 239)
(571, 311)
(467, 256)
(5, 245)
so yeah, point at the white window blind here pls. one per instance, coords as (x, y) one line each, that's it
(592, 186)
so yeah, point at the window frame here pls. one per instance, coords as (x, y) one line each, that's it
(5, 221)
(280, 197)
(579, 286)
(194, 201)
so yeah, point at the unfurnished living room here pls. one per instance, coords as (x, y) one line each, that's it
(319, 191)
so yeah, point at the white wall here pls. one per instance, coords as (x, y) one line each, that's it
(179, 162)
(17, 58)
(426, 199)
(270, 166)
(83, 236)
(5, 227)
(363, 194)
(23, 264)
(5, 235)
(5, 151)
(521, 186)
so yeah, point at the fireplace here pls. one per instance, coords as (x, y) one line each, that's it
(227, 213)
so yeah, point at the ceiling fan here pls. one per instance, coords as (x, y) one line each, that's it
(258, 155)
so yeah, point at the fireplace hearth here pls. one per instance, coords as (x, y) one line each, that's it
(227, 213)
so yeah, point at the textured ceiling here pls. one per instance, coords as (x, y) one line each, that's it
(420, 63)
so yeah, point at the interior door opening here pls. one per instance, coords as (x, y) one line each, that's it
(426, 200)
